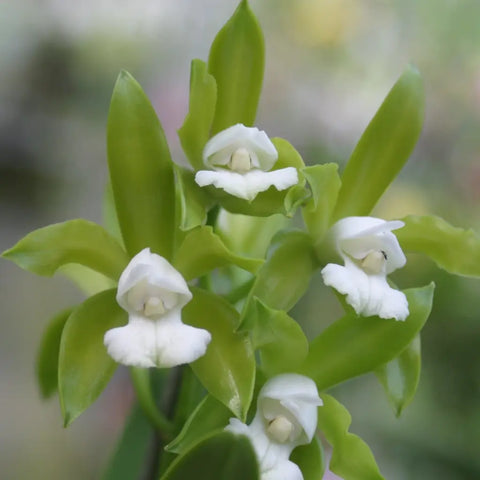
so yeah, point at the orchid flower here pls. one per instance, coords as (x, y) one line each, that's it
(370, 251)
(240, 158)
(286, 417)
(154, 293)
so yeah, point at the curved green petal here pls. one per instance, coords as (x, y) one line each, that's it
(454, 249)
(44, 250)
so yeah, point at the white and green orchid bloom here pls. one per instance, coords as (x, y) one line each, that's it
(239, 159)
(286, 417)
(154, 293)
(370, 252)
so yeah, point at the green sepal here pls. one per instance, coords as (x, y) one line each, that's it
(195, 130)
(310, 459)
(236, 60)
(84, 366)
(400, 376)
(141, 170)
(227, 370)
(202, 250)
(44, 250)
(454, 249)
(356, 345)
(384, 147)
(47, 357)
(222, 456)
(278, 337)
(325, 184)
(132, 450)
(285, 276)
(351, 458)
(209, 416)
(193, 202)
(270, 201)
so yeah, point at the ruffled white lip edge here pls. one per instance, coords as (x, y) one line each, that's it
(156, 343)
(219, 148)
(248, 185)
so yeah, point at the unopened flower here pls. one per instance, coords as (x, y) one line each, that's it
(240, 158)
(286, 417)
(370, 252)
(154, 293)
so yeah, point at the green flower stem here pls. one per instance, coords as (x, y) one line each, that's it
(143, 389)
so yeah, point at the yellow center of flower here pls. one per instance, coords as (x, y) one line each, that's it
(240, 161)
(280, 429)
(374, 262)
(154, 306)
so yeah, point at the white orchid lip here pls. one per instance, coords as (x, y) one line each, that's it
(239, 159)
(286, 417)
(370, 252)
(154, 293)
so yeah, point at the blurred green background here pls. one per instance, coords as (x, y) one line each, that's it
(329, 65)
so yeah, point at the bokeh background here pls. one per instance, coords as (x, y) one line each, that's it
(329, 65)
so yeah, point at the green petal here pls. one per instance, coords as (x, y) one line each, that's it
(227, 370)
(236, 61)
(222, 456)
(384, 147)
(454, 249)
(356, 345)
(44, 250)
(351, 457)
(195, 131)
(84, 365)
(400, 376)
(141, 170)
